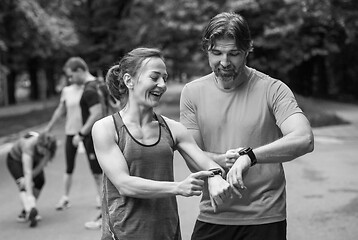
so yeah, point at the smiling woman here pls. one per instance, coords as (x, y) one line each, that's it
(135, 149)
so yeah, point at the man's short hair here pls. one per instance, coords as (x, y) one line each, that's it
(227, 25)
(75, 63)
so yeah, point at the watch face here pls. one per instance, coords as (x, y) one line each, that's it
(244, 151)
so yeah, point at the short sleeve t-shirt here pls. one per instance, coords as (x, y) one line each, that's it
(247, 116)
(89, 98)
(71, 96)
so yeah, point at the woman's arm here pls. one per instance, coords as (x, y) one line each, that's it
(27, 163)
(114, 165)
(219, 189)
(45, 159)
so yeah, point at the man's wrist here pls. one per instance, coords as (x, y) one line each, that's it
(248, 151)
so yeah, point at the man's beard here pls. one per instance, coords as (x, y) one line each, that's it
(226, 74)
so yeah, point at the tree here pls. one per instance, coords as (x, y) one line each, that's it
(32, 37)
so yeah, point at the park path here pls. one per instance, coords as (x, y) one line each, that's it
(322, 192)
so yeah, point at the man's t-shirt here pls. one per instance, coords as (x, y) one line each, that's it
(71, 96)
(89, 98)
(247, 116)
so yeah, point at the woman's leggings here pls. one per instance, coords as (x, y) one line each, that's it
(17, 172)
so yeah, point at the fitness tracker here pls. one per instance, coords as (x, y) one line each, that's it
(216, 171)
(248, 151)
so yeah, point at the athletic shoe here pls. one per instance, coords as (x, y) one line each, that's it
(94, 225)
(21, 218)
(63, 204)
(32, 217)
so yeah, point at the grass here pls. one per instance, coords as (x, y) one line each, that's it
(14, 124)
(18, 123)
(317, 115)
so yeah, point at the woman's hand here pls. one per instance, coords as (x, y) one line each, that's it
(193, 184)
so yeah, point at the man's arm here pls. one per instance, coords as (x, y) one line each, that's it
(297, 140)
(95, 114)
(59, 112)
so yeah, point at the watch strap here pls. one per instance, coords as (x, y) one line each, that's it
(248, 151)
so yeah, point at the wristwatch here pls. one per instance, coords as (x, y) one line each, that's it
(248, 151)
(216, 171)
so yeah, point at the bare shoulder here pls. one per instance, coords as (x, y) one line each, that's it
(104, 126)
(175, 127)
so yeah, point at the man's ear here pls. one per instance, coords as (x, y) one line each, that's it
(128, 81)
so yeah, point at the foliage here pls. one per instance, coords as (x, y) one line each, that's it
(310, 44)
(299, 41)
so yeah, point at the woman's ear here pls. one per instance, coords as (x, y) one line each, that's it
(128, 81)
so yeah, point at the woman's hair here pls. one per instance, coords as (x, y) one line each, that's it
(48, 141)
(227, 25)
(130, 63)
(75, 63)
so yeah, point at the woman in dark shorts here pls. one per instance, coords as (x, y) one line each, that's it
(26, 161)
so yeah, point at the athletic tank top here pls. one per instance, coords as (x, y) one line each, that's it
(135, 218)
(15, 152)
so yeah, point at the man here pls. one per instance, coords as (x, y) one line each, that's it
(250, 124)
(68, 106)
(91, 109)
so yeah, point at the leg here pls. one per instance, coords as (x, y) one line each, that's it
(71, 151)
(95, 167)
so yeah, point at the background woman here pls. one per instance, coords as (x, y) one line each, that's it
(26, 162)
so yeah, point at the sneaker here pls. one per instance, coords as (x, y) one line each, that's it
(63, 204)
(32, 217)
(94, 225)
(21, 218)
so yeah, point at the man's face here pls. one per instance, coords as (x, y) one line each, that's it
(226, 60)
(76, 77)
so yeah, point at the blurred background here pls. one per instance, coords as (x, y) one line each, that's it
(309, 44)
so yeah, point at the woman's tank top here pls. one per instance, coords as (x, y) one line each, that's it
(15, 152)
(135, 218)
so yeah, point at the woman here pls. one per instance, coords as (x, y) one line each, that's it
(26, 161)
(135, 150)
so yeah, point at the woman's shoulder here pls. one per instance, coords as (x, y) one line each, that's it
(103, 126)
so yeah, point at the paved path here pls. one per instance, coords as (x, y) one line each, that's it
(322, 192)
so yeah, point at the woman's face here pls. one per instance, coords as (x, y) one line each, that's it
(150, 82)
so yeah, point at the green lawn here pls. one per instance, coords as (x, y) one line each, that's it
(17, 123)
(14, 124)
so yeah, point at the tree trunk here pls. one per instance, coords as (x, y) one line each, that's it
(11, 83)
(32, 66)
